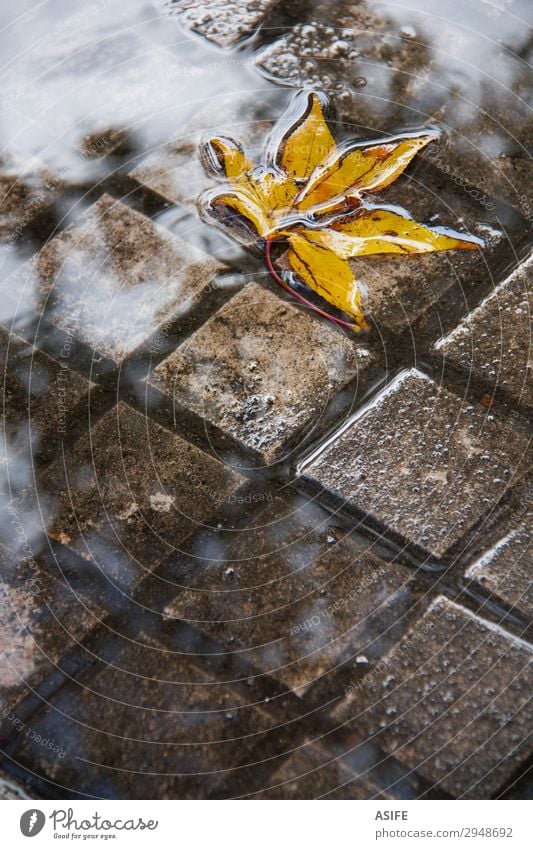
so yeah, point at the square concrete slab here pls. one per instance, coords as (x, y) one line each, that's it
(113, 278)
(144, 724)
(129, 492)
(492, 343)
(262, 371)
(420, 461)
(223, 21)
(41, 619)
(452, 702)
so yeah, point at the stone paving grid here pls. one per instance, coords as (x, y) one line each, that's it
(459, 770)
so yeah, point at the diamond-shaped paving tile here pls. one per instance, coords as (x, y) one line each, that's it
(111, 279)
(493, 342)
(129, 491)
(452, 702)
(26, 186)
(420, 461)
(262, 371)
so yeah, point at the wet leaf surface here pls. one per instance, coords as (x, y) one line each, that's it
(314, 194)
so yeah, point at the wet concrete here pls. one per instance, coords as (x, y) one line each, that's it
(438, 707)
(505, 569)
(262, 371)
(420, 461)
(39, 615)
(210, 625)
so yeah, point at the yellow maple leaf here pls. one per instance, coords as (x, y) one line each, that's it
(316, 196)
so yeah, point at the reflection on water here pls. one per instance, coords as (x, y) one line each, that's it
(183, 607)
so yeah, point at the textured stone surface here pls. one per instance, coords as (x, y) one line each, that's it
(506, 569)
(452, 703)
(316, 772)
(129, 492)
(297, 609)
(223, 21)
(261, 370)
(26, 187)
(174, 171)
(39, 398)
(113, 278)
(41, 618)
(145, 724)
(208, 618)
(493, 342)
(420, 461)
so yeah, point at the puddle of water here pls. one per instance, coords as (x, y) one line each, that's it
(92, 91)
